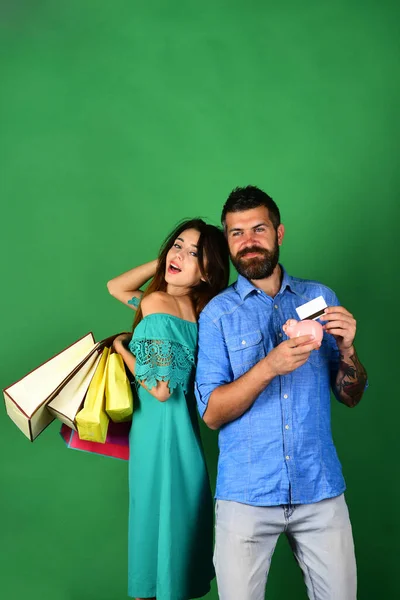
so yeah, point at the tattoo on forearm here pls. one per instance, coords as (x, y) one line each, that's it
(350, 380)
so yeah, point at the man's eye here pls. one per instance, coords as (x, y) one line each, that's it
(236, 233)
(260, 229)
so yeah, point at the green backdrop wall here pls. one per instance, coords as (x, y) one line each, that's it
(117, 120)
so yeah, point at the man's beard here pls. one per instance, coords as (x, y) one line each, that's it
(259, 267)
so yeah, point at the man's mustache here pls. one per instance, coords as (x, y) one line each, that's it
(250, 249)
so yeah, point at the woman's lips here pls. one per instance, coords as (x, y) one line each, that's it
(173, 269)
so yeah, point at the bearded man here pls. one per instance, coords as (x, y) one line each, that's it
(278, 471)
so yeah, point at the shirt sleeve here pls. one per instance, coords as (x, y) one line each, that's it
(213, 365)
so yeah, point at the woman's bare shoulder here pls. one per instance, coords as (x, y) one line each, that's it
(159, 302)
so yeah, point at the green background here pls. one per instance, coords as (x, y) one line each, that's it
(117, 120)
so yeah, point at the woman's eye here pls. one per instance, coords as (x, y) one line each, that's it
(177, 246)
(194, 254)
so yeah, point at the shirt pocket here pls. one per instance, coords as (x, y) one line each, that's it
(245, 350)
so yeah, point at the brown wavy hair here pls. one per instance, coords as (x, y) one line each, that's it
(213, 257)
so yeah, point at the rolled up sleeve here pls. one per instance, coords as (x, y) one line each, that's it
(213, 366)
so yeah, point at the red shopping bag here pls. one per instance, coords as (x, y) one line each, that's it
(115, 446)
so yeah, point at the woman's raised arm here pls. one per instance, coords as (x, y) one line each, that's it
(126, 286)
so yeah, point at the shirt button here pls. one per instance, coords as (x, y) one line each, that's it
(287, 457)
(276, 306)
(280, 335)
(243, 342)
(285, 396)
(286, 426)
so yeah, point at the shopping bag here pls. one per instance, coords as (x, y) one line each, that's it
(92, 421)
(119, 399)
(56, 388)
(115, 446)
(69, 401)
(26, 400)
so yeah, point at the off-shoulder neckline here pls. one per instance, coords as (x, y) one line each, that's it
(169, 315)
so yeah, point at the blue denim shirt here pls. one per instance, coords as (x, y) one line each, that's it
(280, 450)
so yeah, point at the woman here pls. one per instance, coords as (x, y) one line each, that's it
(170, 510)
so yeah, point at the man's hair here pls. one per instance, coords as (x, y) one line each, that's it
(245, 198)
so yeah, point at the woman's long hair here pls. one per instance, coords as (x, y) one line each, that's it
(213, 257)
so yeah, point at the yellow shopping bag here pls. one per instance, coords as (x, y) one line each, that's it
(92, 421)
(119, 399)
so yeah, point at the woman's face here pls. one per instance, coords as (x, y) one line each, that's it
(182, 266)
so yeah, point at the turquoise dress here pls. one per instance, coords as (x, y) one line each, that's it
(170, 502)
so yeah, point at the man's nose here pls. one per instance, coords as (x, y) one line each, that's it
(247, 238)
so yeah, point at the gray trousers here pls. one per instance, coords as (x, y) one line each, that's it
(320, 536)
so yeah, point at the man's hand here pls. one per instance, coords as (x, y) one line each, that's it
(291, 354)
(341, 324)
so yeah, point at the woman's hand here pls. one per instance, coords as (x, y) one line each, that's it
(121, 342)
(120, 347)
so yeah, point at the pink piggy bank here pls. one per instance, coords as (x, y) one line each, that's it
(306, 327)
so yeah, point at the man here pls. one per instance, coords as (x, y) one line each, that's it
(278, 471)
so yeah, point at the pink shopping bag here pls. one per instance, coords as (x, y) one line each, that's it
(115, 446)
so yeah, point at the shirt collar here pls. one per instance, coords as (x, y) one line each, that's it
(244, 287)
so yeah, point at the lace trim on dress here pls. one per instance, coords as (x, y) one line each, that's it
(162, 360)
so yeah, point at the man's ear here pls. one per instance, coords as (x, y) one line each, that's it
(280, 233)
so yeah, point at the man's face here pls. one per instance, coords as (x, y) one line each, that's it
(253, 242)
